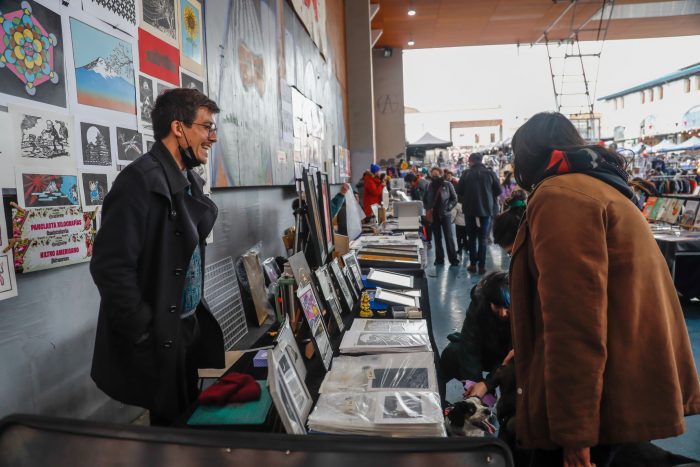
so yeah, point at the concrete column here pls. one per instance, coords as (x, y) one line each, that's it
(390, 128)
(358, 40)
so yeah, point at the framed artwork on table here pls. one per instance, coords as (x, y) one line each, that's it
(318, 243)
(325, 205)
(346, 297)
(350, 260)
(328, 295)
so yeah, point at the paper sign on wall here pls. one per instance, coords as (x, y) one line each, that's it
(49, 222)
(52, 252)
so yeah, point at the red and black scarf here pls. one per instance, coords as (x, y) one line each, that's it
(589, 162)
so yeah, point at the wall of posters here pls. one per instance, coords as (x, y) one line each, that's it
(104, 69)
(8, 282)
(42, 138)
(52, 252)
(31, 53)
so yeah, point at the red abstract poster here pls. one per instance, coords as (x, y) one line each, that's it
(159, 59)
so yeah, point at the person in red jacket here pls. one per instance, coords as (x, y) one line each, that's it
(372, 192)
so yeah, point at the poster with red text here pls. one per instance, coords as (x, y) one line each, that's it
(159, 59)
(52, 252)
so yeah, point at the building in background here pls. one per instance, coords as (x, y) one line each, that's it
(667, 107)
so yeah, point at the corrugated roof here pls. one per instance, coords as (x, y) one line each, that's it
(676, 75)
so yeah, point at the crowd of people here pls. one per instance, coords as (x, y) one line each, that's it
(587, 324)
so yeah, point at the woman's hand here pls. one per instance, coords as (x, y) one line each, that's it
(478, 389)
(509, 357)
(577, 457)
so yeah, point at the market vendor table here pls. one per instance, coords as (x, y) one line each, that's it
(315, 370)
(682, 254)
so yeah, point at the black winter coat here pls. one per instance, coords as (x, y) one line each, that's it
(478, 189)
(448, 198)
(482, 344)
(150, 228)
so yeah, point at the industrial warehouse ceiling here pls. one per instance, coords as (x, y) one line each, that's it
(454, 23)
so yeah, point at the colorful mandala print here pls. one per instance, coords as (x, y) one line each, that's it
(27, 48)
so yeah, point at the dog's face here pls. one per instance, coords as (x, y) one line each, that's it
(468, 416)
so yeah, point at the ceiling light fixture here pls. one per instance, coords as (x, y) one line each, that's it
(411, 42)
(411, 11)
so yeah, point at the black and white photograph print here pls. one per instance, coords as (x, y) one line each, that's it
(129, 145)
(148, 142)
(190, 82)
(404, 378)
(158, 17)
(96, 144)
(146, 102)
(44, 138)
(118, 13)
(94, 188)
(402, 406)
(161, 88)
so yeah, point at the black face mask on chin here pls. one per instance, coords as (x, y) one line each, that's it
(187, 154)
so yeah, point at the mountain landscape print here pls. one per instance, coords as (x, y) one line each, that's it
(104, 69)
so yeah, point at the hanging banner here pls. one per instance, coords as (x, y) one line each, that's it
(52, 252)
(49, 222)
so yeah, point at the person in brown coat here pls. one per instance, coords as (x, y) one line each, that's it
(602, 353)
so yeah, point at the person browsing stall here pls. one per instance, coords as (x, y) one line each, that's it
(440, 199)
(602, 353)
(154, 328)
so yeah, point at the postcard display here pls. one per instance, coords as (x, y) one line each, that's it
(673, 211)
(77, 83)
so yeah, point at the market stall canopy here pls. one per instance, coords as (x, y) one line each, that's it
(690, 144)
(428, 141)
(663, 146)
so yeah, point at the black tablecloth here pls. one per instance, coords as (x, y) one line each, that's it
(685, 267)
(315, 370)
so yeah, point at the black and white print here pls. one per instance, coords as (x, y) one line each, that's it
(402, 406)
(158, 17)
(146, 103)
(190, 82)
(162, 87)
(96, 144)
(44, 138)
(119, 13)
(94, 188)
(129, 145)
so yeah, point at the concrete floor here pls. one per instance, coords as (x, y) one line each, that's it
(449, 298)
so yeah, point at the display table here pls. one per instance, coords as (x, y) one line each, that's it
(315, 370)
(682, 254)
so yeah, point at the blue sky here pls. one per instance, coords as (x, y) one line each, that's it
(93, 43)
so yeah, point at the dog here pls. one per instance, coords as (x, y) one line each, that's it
(469, 417)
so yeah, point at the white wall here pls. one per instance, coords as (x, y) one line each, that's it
(668, 111)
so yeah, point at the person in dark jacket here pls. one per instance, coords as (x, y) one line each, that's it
(485, 339)
(478, 189)
(441, 198)
(154, 328)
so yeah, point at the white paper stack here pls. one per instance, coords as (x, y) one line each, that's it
(410, 326)
(386, 336)
(382, 372)
(383, 413)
